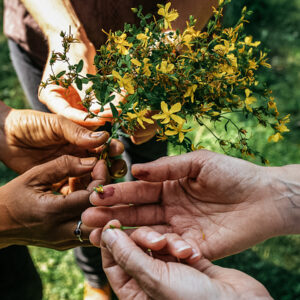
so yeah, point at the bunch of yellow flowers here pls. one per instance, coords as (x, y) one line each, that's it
(202, 75)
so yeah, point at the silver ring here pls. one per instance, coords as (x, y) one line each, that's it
(77, 231)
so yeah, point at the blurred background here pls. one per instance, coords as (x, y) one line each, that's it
(276, 262)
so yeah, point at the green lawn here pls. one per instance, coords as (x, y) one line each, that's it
(276, 262)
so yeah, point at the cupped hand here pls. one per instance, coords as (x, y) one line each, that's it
(68, 102)
(133, 274)
(29, 138)
(220, 205)
(32, 215)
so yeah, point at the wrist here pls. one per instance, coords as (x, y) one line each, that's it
(6, 223)
(285, 189)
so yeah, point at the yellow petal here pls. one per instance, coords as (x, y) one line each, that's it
(164, 107)
(149, 121)
(131, 115)
(247, 92)
(136, 62)
(181, 137)
(171, 132)
(167, 6)
(116, 75)
(175, 108)
(141, 123)
(166, 120)
(159, 116)
(177, 119)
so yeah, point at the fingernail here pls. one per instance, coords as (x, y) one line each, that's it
(109, 236)
(108, 192)
(195, 255)
(155, 237)
(181, 246)
(88, 161)
(97, 134)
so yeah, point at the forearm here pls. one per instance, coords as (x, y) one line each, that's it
(200, 9)
(55, 16)
(4, 111)
(286, 189)
(6, 224)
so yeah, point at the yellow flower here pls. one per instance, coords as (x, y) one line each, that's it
(135, 62)
(174, 130)
(272, 105)
(224, 49)
(190, 92)
(126, 82)
(190, 33)
(249, 100)
(233, 60)
(168, 16)
(143, 37)
(167, 114)
(146, 67)
(275, 137)
(140, 116)
(281, 127)
(122, 44)
(252, 64)
(165, 67)
(248, 42)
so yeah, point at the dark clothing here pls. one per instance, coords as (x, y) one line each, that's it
(19, 279)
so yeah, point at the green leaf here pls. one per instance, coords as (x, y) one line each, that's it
(78, 83)
(114, 110)
(79, 66)
(60, 74)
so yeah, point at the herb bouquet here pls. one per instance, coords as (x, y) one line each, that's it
(168, 77)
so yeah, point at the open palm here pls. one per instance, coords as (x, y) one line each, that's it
(134, 275)
(218, 204)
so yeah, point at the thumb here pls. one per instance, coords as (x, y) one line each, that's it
(80, 136)
(57, 169)
(132, 260)
(173, 167)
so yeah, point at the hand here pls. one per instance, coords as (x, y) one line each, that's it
(31, 214)
(218, 204)
(29, 138)
(134, 274)
(68, 102)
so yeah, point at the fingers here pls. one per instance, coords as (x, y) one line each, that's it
(125, 253)
(57, 169)
(59, 102)
(128, 193)
(100, 175)
(147, 238)
(123, 284)
(116, 148)
(128, 215)
(71, 205)
(169, 243)
(80, 136)
(171, 168)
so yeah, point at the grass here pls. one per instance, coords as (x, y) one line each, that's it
(276, 262)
